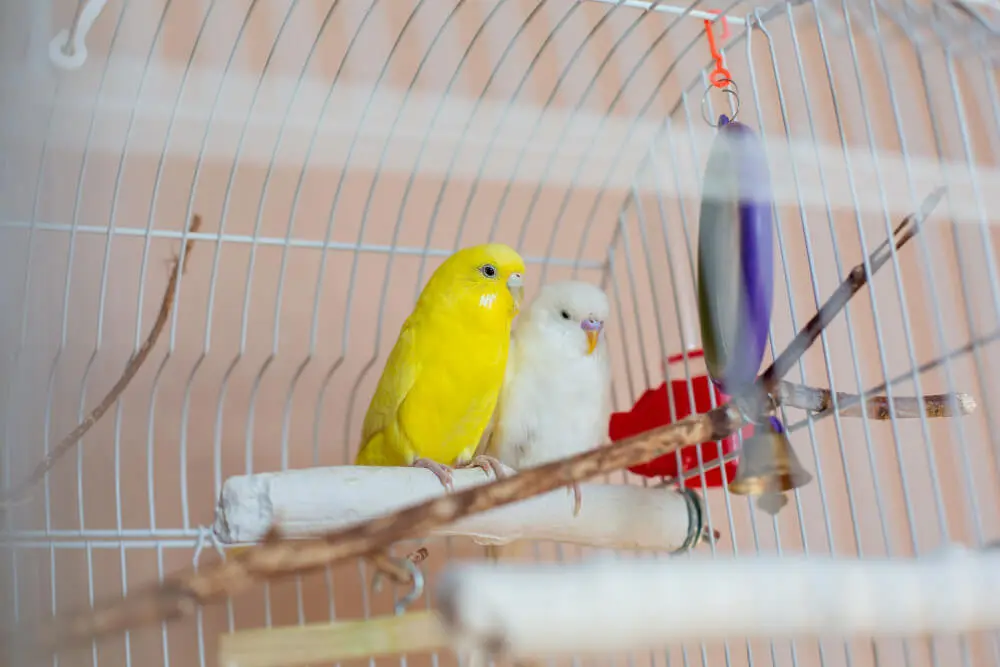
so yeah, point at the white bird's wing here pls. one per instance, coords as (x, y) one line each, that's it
(486, 441)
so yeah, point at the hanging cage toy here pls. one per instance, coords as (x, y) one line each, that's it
(735, 260)
(735, 298)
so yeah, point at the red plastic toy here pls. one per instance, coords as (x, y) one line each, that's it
(653, 410)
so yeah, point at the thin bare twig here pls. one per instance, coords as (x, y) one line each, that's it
(921, 369)
(855, 280)
(875, 407)
(180, 594)
(16, 494)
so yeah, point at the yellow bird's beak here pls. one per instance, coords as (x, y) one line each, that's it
(592, 328)
(515, 284)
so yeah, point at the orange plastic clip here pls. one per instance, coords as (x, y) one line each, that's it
(719, 77)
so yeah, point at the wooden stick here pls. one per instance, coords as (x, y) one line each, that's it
(16, 495)
(923, 368)
(875, 407)
(326, 643)
(180, 594)
(855, 280)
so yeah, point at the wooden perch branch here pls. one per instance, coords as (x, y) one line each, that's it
(875, 407)
(180, 594)
(17, 494)
(921, 369)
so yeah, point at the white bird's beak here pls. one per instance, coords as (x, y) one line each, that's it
(593, 329)
(515, 284)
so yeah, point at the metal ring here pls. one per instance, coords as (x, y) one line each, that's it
(696, 520)
(729, 89)
(416, 591)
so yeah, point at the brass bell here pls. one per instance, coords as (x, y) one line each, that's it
(768, 467)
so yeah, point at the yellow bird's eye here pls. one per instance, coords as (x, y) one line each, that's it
(488, 270)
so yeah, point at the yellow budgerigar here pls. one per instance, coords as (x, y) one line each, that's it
(443, 377)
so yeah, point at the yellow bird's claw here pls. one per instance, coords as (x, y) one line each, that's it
(441, 471)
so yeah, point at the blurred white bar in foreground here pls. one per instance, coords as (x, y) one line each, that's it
(603, 606)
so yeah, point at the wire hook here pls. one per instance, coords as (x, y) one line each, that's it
(720, 77)
(698, 530)
(68, 49)
(720, 16)
(729, 88)
(417, 577)
(395, 568)
(401, 570)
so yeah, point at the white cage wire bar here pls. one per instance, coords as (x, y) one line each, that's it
(337, 149)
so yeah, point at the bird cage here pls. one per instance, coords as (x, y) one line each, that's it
(241, 201)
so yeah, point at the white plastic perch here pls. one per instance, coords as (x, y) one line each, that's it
(305, 502)
(69, 55)
(604, 606)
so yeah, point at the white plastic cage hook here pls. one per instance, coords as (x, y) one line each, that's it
(68, 49)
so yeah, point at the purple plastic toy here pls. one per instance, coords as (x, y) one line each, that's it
(735, 257)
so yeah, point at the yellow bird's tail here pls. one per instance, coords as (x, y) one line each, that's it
(373, 453)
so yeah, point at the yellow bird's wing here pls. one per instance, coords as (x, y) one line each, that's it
(486, 440)
(382, 439)
(491, 433)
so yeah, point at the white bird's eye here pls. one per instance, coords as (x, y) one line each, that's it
(488, 270)
(565, 314)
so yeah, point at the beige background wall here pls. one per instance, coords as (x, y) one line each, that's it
(283, 324)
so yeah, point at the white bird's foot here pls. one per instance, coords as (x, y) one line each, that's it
(441, 471)
(577, 498)
(488, 464)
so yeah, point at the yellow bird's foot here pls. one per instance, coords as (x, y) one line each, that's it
(488, 464)
(441, 471)
(577, 498)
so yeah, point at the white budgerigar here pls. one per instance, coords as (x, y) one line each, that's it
(556, 397)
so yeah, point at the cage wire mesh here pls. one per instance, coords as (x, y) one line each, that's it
(337, 151)
(964, 27)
